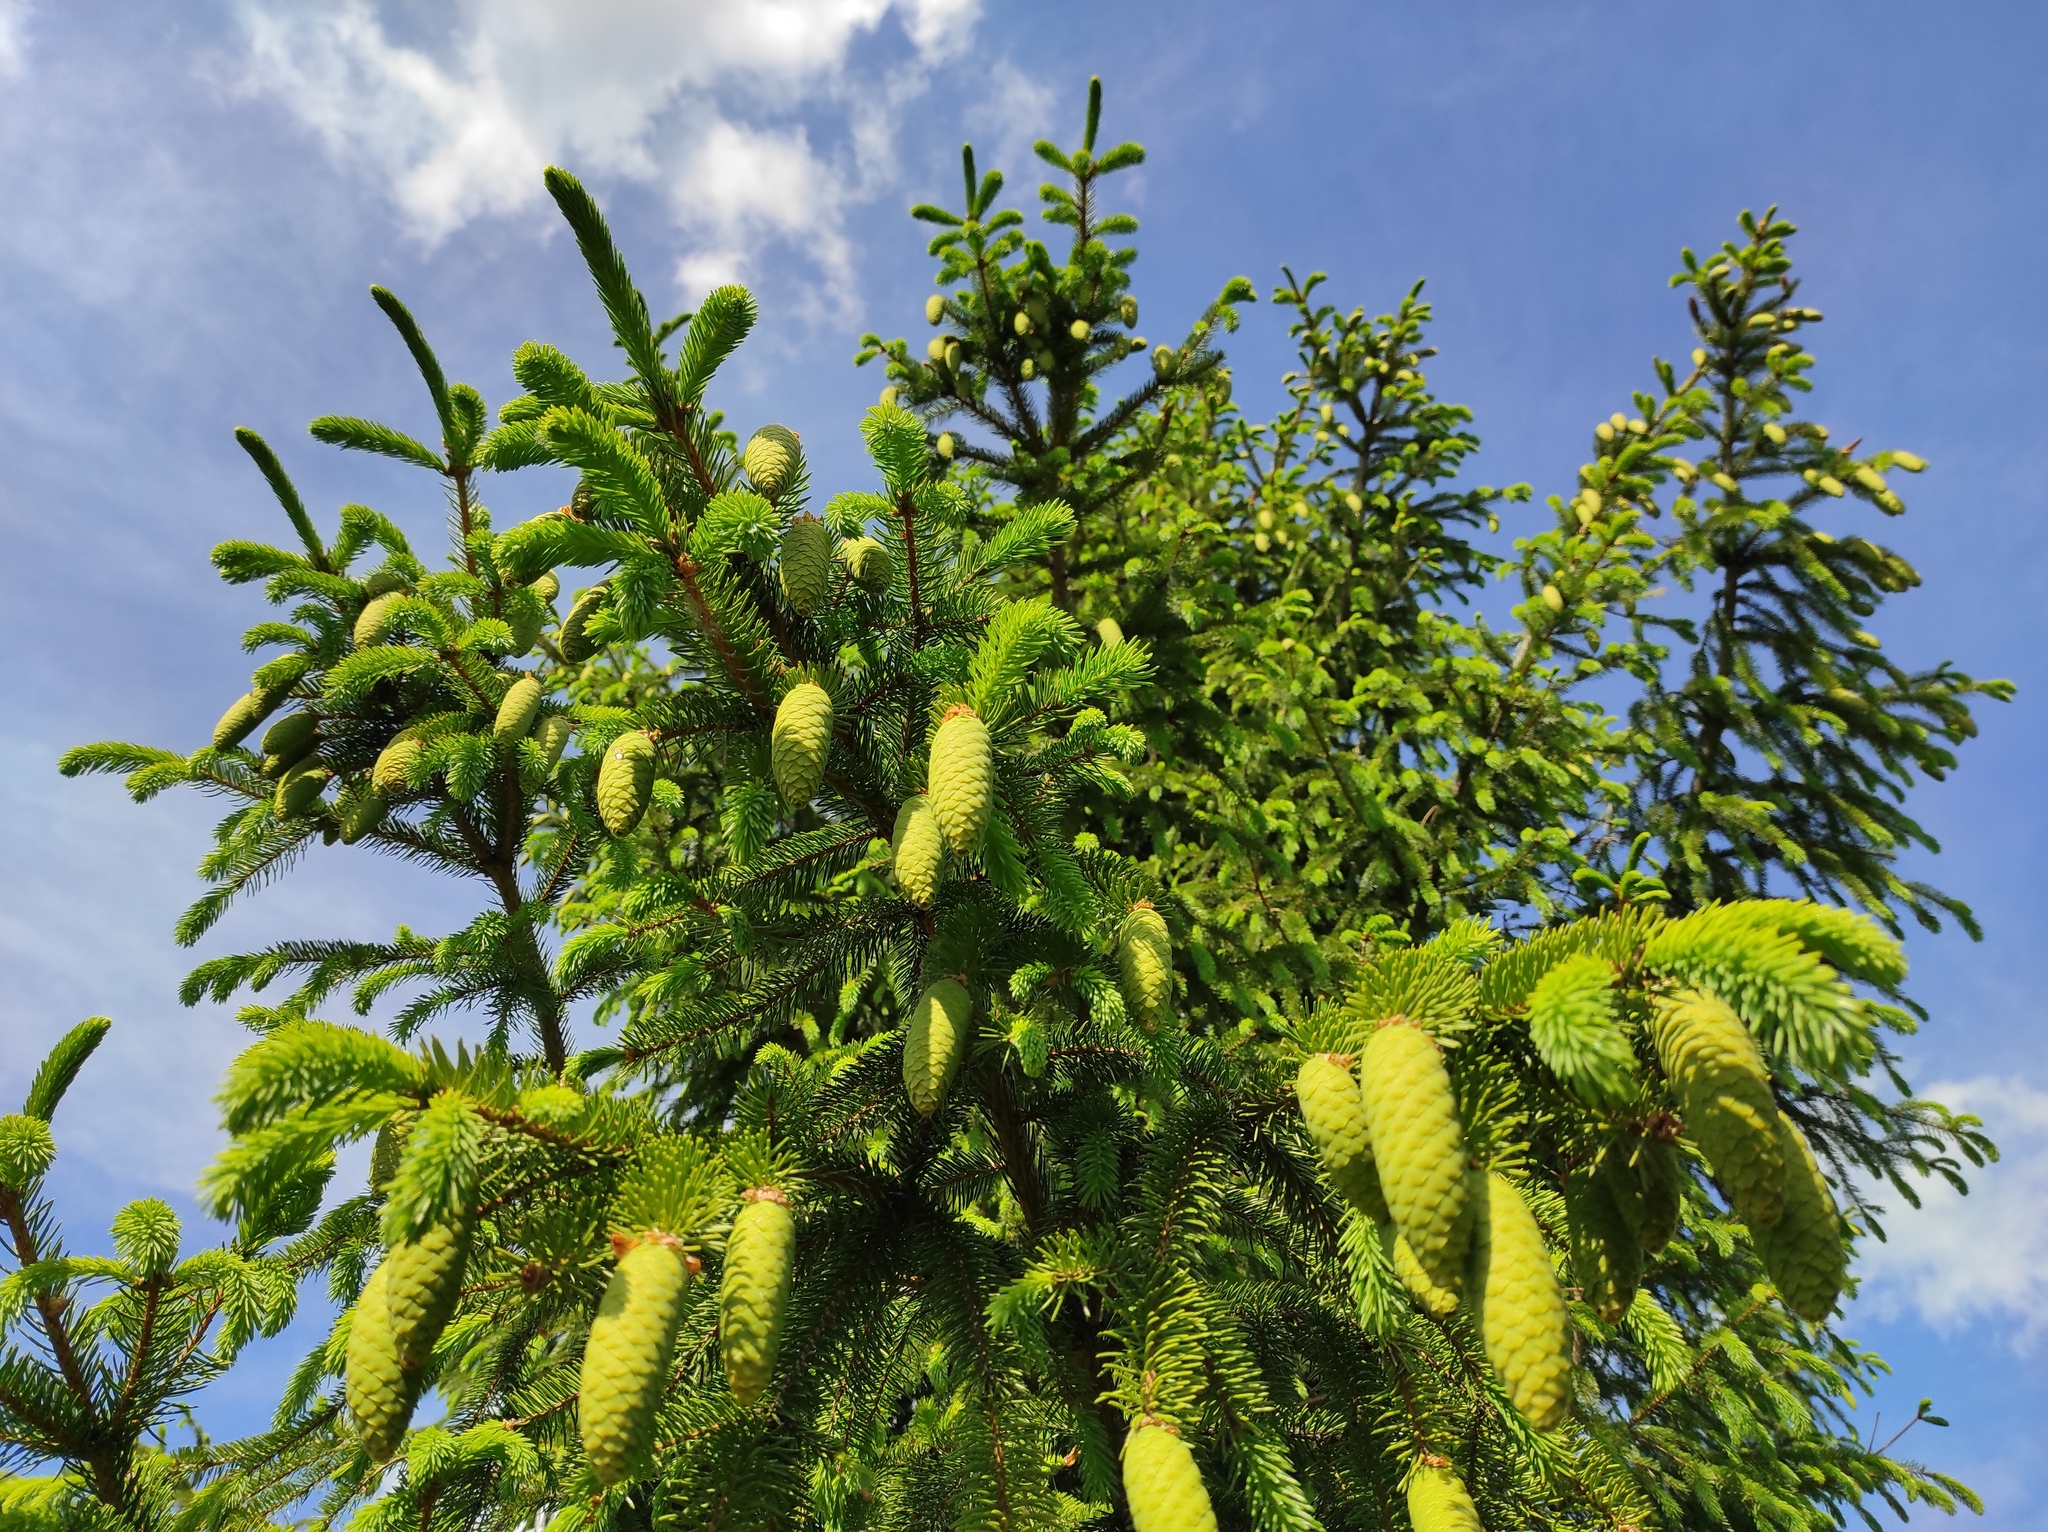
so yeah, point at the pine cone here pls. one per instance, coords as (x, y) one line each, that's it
(919, 850)
(1162, 1484)
(1607, 1257)
(1334, 1110)
(1438, 1502)
(1411, 1120)
(960, 778)
(806, 563)
(759, 1255)
(625, 782)
(1724, 1095)
(800, 741)
(626, 1358)
(380, 1392)
(1144, 955)
(518, 711)
(934, 1042)
(1804, 1250)
(771, 458)
(1516, 1303)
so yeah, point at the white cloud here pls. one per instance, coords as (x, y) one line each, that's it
(745, 112)
(13, 37)
(1981, 1258)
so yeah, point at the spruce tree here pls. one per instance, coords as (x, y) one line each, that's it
(922, 1182)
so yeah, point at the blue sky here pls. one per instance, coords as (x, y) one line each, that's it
(196, 198)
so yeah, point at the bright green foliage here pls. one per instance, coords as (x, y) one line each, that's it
(1055, 1190)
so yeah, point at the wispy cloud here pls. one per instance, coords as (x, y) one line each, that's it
(13, 37)
(751, 115)
(1982, 1258)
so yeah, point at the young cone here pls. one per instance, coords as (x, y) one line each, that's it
(626, 1359)
(1411, 1120)
(759, 1256)
(806, 563)
(1162, 1484)
(1646, 1178)
(374, 623)
(960, 778)
(625, 781)
(868, 562)
(363, 816)
(1334, 1111)
(1516, 1303)
(388, 775)
(934, 1042)
(771, 458)
(1438, 1298)
(289, 741)
(242, 716)
(380, 1391)
(919, 851)
(1439, 1502)
(1724, 1095)
(422, 1289)
(299, 789)
(1804, 1251)
(1144, 955)
(1607, 1258)
(800, 741)
(553, 737)
(517, 712)
(575, 643)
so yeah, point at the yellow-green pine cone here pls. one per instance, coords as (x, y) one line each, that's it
(547, 587)
(1411, 1120)
(1144, 958)
(869, 563)
(525, 615)
(960, 777)
(1438, 1501)
(1804, 1251)
(422, 1289)
(806, 563)
(364, 815)
(1646, 1176)
(517, 712)
(1517, 1304)
(289, 741)
(625, 781)
(554, 738)
(919, 850)
(1110, 631)
(771, 458)
(934, 1042)
(626, 1359)
(575, 643)
(374, 622)
(382, 582)
(1334, 1112)
(800, 741)
(1162, 1485)
(380, 1392)
(299, 789)
(1438, 1298)
(1724, 1095)
(393, 761)
(1607, 1258)
(759, 1255)
(242, 716)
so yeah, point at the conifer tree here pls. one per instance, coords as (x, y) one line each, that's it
(921, 1184)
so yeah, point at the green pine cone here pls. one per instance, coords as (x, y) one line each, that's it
(1804, 1250)
(382, 582)
(1516, 1302)
(960, 778)
(387, 1148)
(771, 458)
(373, 625)
(1334, 1110)
(1411, 1121)
(626, 1359)
(1439, 1502)
(800, 741)
(554, 737)
(806, 563)
(299, 790)
(1607, 1257)
(1162, 1485)
(423, 1288)
(242, 716)
(1438, 1298)
(759, 1255)
(393, 761)
(289, 741)
(575, 643)
(518, 711)
(1144, 957)
(525, 615)
(934, 1042)
(919, 850)
(364, 814)
(625, 781)
(547, 587)
(869, 563)
(1645, 1176)
(380, 1392)
(1724, 1095)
